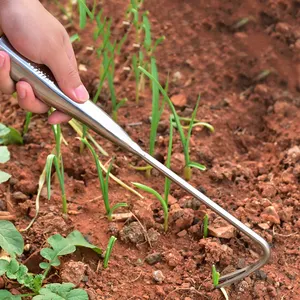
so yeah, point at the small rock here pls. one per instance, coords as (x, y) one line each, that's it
(177, 162)
(82, 68)
(270, 215)
(243, 286)
(158, 276)
(264, 226)
(225, 232)
(241, 35)
(241, 263)
(171, 200)
(132, 233)
(268, 190)
(182, 233)
(261, 89)
(28, 187)
(179, 100)
(282, 27)
(173, 258)
(287, 177)
(19, 196)
(153, 258)
(177, 76)
(73, 271)
(286, 214)
(186, 220)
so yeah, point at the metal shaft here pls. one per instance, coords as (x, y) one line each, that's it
(90, 114)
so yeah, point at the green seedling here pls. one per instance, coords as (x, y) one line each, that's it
(4, 157)
(27, 122)
(262, 75)
(84, 12)
(205, 226)
(195, 123)
(184, 139)
(147, 29)
(241, 23)
(215, 276)
(121, 43)
(12, 243)
(60, 174)
(108, 251)
(9, 136)
(105, 32)
(168, 163)
(75, 37)
(104, 183)
(159, 198)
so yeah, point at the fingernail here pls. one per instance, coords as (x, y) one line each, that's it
(2, 60)
(81, 93)
(22, 93)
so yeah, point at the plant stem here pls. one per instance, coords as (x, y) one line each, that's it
(108, 251)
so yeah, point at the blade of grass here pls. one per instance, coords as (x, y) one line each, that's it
(108, 251)
(27, 122)
(159, 198)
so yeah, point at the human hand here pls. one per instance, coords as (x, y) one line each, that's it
(38, 36)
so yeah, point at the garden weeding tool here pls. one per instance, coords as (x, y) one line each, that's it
(90, 114)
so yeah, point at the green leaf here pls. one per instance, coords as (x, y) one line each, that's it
(6, 295)
(74, 38)
(4, 176)
(108, 251)
(196, 165)
(3, 266)
(62, 291)
(118, 205)
(11, 240)
(14, 137)
(215, 276)
(76, 238)
(4, 154)
(12, 269)
(3, 130)
(61, 246)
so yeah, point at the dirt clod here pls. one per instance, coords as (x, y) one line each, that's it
(73, 271)
(270, 215)
(153, 258)
(179, 100)
(132, 233)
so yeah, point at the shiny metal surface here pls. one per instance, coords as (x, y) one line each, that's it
(91, 115)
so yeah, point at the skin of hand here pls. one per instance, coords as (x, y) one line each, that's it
(40, 37)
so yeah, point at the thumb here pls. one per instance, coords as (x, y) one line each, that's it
(67, 76)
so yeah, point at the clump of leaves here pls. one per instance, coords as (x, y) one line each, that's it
(12, 244)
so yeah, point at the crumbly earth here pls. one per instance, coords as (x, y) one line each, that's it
(252, 158)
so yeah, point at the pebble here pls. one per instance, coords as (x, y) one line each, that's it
(186, 219)
(225, 232)
(270, 215)
(179, 100)
(182, 233)
(19, 196)
(177, 162)
(261, 274)
(158, 276)
(264, 226)
(153, 258)
(159, 291)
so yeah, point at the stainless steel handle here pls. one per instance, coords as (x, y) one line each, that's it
(90, 114)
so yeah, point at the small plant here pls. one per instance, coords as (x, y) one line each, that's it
(159, 198)
(83, 13)
(12, 243)
(168, 163)
(205, 226)
(108, 251)
(57, 160)
(104, 183)
(215, 276)
(27, 122)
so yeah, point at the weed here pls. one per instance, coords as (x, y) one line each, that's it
(108, 251)
(215, 276)
(27, 122)
(12, 243)
(104, 182)
(159, 198)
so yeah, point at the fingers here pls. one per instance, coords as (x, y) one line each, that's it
(27, 99)
(6, 84)
(58, 117)
(63, 66)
